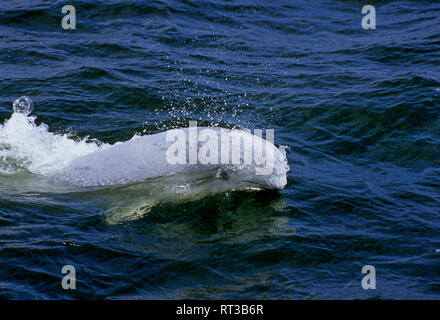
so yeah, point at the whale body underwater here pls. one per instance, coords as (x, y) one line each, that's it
(154, 156)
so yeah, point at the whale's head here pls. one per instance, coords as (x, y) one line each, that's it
(269, 166)
(267, 174)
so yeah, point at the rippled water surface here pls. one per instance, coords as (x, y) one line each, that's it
(359, 111)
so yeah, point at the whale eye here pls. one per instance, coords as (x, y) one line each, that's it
(222, 174)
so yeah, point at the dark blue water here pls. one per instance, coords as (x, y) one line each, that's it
(359, 110)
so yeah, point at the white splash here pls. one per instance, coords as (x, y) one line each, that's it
(25, 146)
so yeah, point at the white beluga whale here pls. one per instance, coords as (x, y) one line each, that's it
(133, 176)
(235, 155)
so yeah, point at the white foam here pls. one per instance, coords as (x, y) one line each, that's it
(25, 146)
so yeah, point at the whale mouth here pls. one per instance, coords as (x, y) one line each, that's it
(255, 186)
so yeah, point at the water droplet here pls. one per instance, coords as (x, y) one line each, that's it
(23, 105)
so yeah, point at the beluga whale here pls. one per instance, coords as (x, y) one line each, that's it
(181, 163)
(233, 154)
